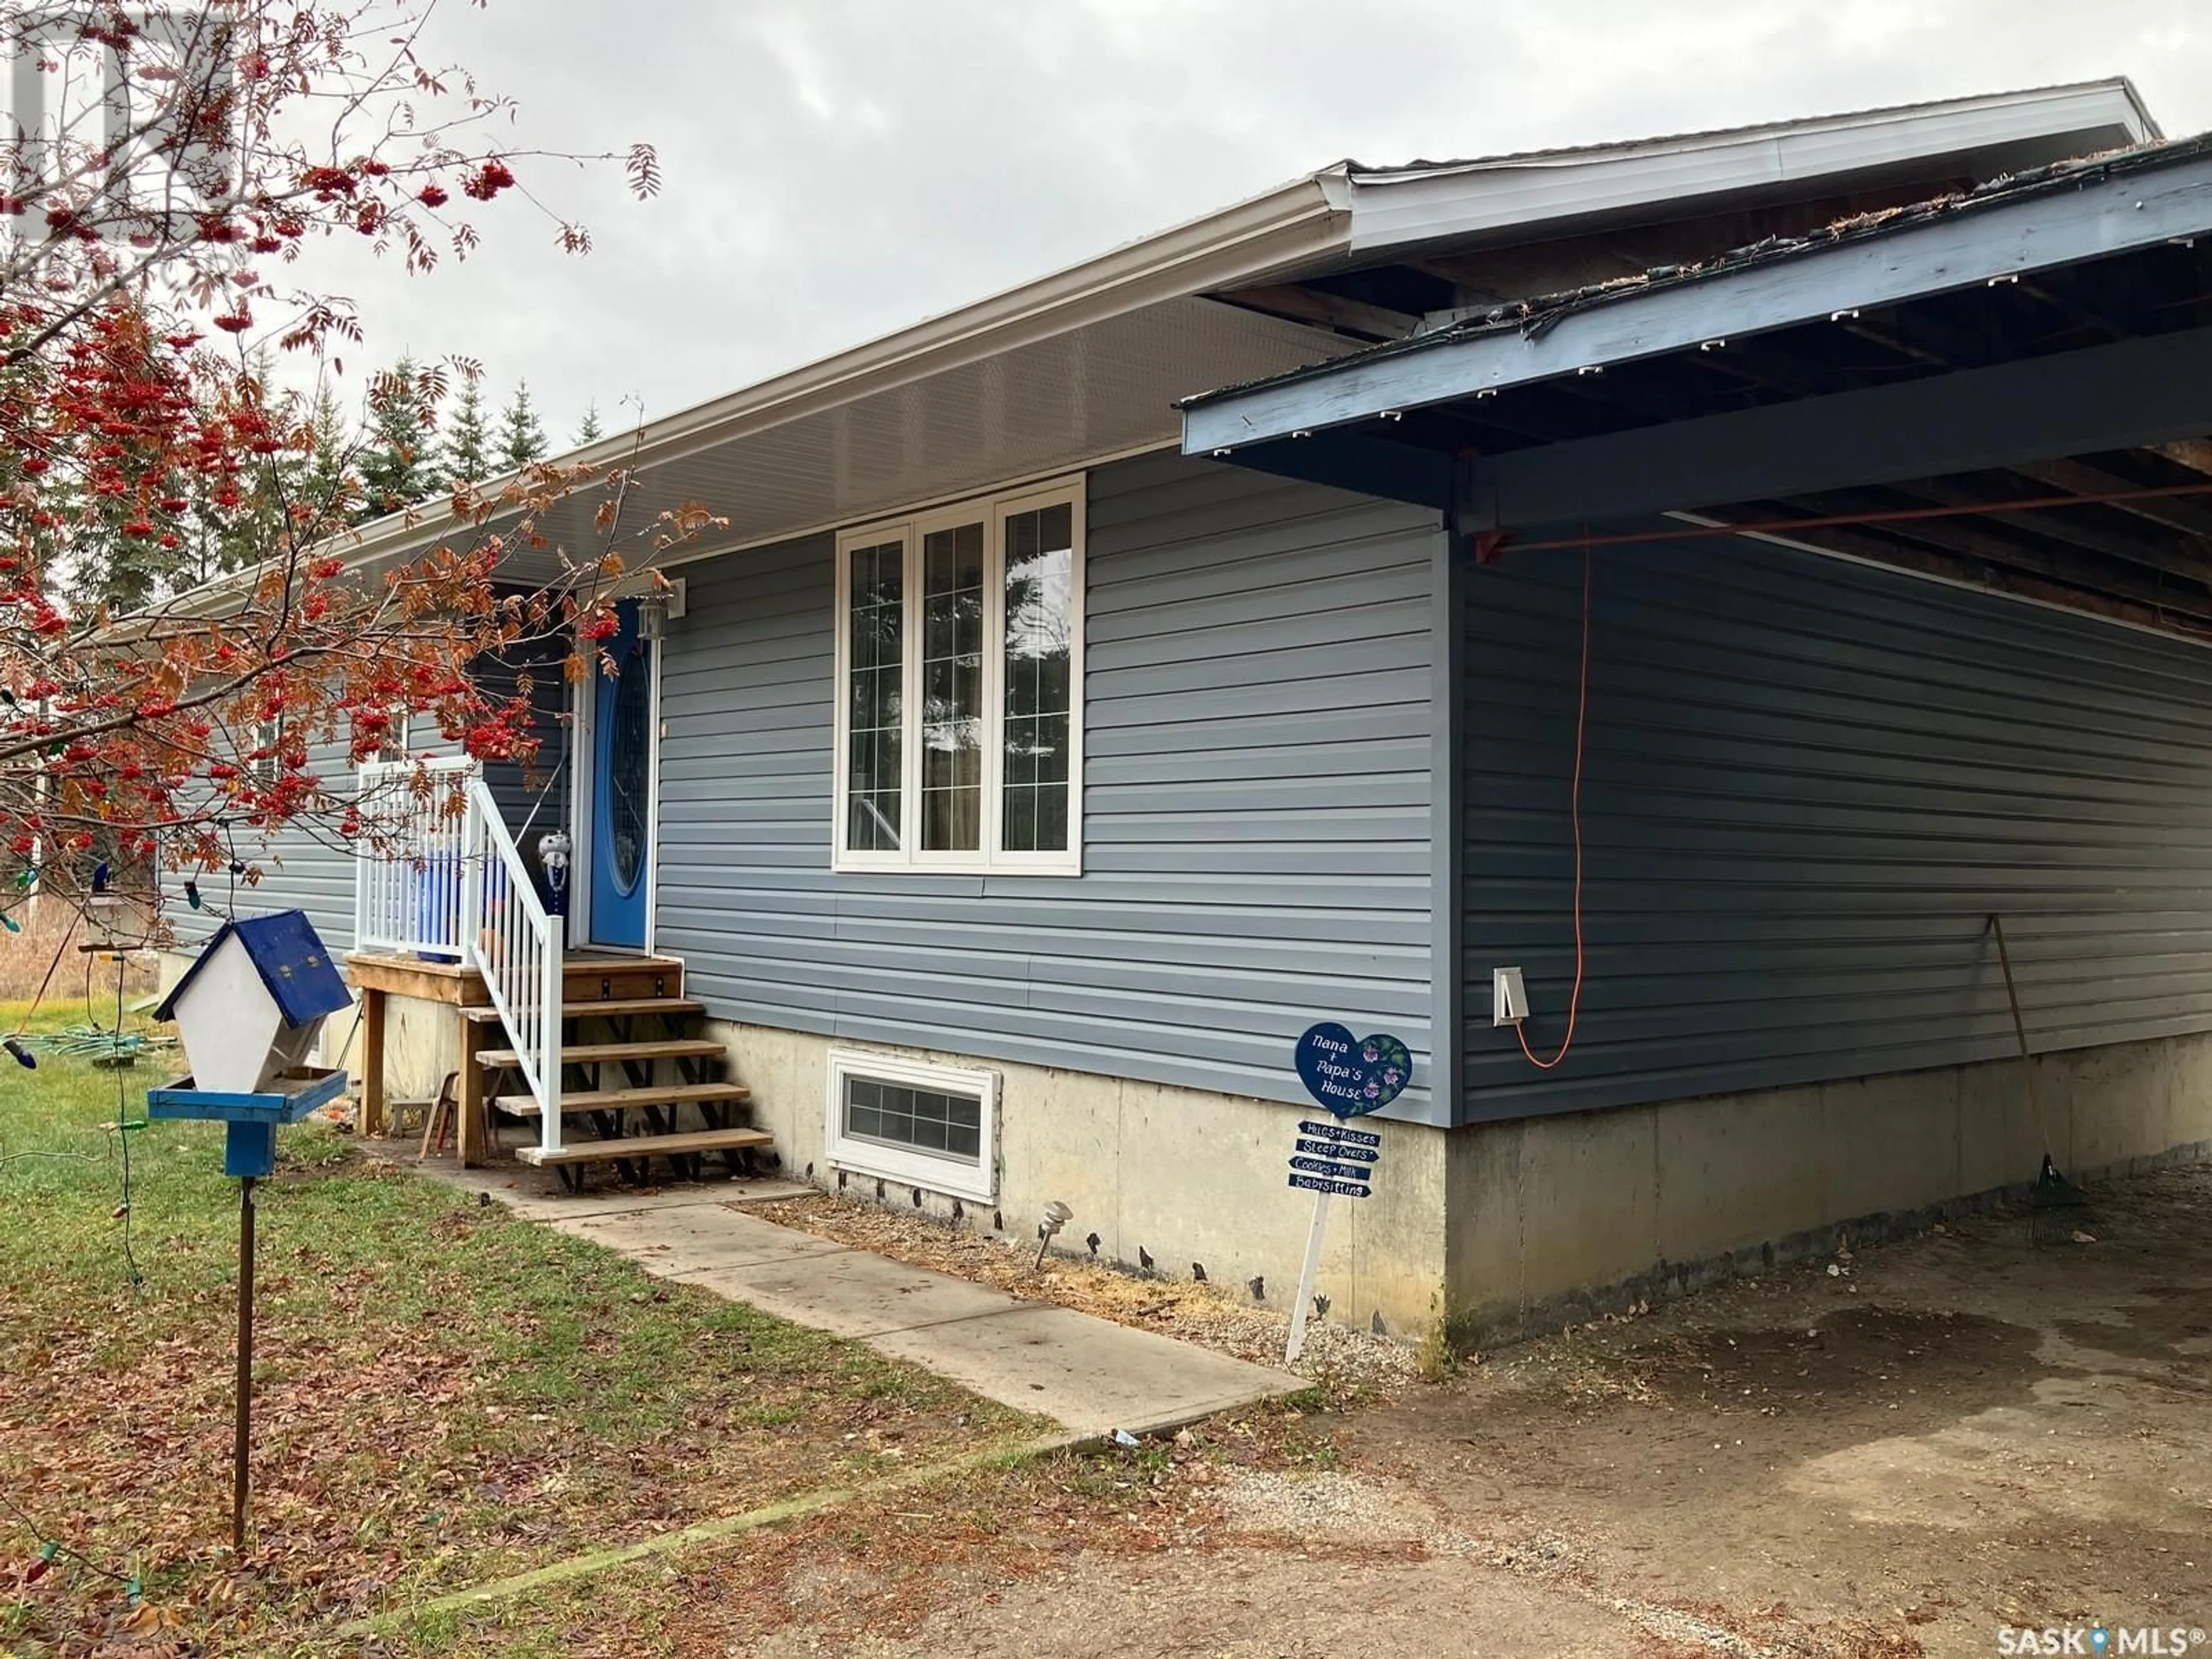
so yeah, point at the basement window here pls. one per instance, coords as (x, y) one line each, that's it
(959, 725)
(933, 1127)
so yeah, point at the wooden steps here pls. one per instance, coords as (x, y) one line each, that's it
(621, 1100)
(605, 979)
(624, 1008)
(688, 1144)
(631, 1125)
(588, 1054)
(611, 1008)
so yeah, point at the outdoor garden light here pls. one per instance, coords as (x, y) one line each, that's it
(1057, 1216)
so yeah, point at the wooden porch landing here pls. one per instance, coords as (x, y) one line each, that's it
(605, 989)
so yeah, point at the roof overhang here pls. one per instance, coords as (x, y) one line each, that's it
(2009, 390)
(1089, 361)
(2065, 219)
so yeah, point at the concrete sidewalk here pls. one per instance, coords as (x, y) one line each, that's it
(1088, 1374)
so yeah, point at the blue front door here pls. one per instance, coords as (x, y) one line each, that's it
(622, 784)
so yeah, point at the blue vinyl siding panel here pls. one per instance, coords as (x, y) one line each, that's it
(1255, 816)
(1809, 782)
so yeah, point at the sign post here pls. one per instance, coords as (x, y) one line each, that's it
(1350, 1077)
(1297, 1345)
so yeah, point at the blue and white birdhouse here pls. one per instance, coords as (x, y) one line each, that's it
(248, 1010)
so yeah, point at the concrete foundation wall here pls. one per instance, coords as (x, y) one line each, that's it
(1554, 1218)
(1184, 1175)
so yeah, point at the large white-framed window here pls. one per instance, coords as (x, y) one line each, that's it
(933, 1127)
(960, 688)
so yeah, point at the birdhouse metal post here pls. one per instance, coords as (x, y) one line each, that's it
(248, 1012)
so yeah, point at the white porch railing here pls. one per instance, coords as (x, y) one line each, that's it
(511, 940)
(407, 872)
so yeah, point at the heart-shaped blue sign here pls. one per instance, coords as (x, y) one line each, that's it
(1349, 1075)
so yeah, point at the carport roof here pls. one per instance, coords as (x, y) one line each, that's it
(2008, 387)
(2053, 217)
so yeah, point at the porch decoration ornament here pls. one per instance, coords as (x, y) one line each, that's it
(1350, 1077)
(553, 852)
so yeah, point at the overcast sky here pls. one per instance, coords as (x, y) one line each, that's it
(838, 168)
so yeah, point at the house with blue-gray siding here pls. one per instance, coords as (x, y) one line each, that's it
(1640, 624)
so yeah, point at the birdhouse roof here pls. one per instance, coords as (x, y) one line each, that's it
(302, 980)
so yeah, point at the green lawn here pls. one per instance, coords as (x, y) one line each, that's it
(445, 1394)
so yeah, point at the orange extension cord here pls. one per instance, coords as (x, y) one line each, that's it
(1582, 724)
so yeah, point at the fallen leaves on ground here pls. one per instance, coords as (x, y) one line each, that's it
(1347, 1362)
(443, 1394)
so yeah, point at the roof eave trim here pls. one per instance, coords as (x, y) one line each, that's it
(2128, 101)
(1293, 222)
(1477, 199)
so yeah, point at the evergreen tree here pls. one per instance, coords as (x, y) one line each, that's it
(468, 437)
(397, 461)
(588, 429)
(521, 438)
(329, 469)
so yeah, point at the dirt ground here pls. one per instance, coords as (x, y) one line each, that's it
(1884, 1455)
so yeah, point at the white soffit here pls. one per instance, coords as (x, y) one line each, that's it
(1049, 406)
(1548, 192)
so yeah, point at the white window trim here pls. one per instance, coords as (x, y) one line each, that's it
(978, 1182)
(908, 532)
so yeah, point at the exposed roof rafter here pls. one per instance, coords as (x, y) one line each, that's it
(2068, 216)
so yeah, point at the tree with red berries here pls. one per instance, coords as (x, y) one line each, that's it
(165, 415)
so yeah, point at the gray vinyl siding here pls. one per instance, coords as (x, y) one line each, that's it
(298, 871)
(1809, 783)
(1256, 808)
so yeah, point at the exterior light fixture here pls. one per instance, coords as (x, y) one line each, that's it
(652, 615)
(1057, 1216)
